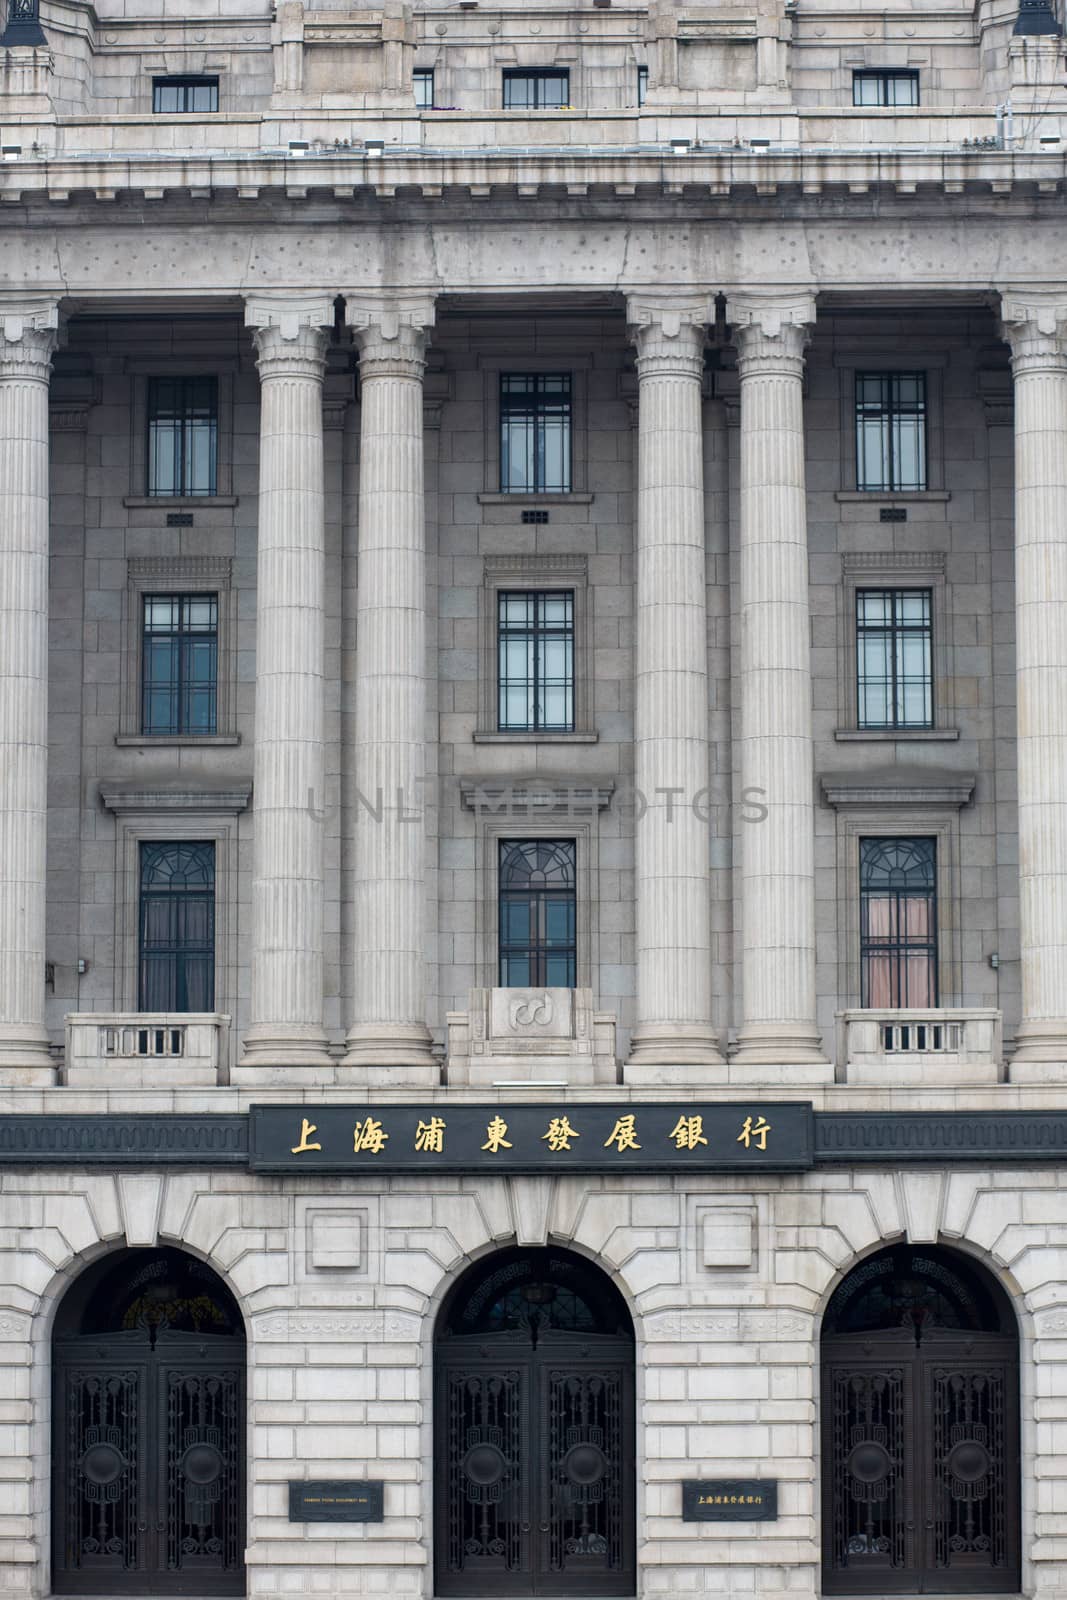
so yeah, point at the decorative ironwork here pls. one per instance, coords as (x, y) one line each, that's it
(149, 1411)
(920, 1436)
(535, 1432)
(23, 24)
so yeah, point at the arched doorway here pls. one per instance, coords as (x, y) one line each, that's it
(920, 1425)
(534, 1440)
(148, 1416)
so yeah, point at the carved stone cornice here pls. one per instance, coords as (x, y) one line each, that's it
(29, 335)
(1034, 323)
(771, 331)
(291, 333)
(390, 330)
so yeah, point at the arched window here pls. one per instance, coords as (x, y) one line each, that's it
(534, 1381)
(920, 1426)
(148, 1415)
(538, 908)
(177, 927)
(898, 923)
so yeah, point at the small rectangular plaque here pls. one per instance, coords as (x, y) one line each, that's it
(336, 1500)
(730, 1500)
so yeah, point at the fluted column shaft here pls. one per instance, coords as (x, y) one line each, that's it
(389, 910)
(778, 853)
(27, 342)
(1038, 337)
(671, 769)
(286, 1019)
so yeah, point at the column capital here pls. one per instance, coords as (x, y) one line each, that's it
(390, 328)
(29, 335)
(774, 326)
(672, 330)
(290, 332)
(1034, 323)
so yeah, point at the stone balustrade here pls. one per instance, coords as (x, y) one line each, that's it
(144, 1050)
(900, 1047)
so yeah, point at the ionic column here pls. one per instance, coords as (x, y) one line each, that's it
(28, 336)
(1036, 328)
(671, 769)
(389, 757)
(778, 854)
(286, 1013)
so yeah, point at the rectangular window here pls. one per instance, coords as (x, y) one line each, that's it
(535, 651)
(535, 432)
(898, 923)
(536, 91)
(183, 434)
(642, 85)
(176, 923)
(423, 81)
(894, 658)
(191, 95)
(538, 941)
(891, 88)
(891, 431)
(180, 663)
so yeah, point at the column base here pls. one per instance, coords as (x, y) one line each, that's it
(1040, 1054)
(781, 1044)
(681, 1053)
(267, 1045)
(26, 1061)
(392, 1054)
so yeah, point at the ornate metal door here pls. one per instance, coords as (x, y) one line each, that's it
(535, 1466)
(149, 1479)
(920, 1470)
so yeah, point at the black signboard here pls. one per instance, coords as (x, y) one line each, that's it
(684, 1136)
(730, 1500)
(336, 1500)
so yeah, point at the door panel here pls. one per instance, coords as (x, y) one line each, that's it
(920, 1465)
(149, 1465)
(534, 1487)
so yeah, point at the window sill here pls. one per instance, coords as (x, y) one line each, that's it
(850, 496)
(515, 497)
(893, 735)
(184, 502)
(168, 740)
(575, 737)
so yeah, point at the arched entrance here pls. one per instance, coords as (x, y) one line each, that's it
(534, 1438)
(148, 1416)
(920, 1425)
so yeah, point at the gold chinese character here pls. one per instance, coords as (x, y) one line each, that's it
(496, 1136)
(623, 1135)
(687, 1133)
(560, 1133)
(369, 1135)
(431, 1135)
(306, 1130)
(758, 1130)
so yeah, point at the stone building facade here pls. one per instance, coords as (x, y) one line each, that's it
(533, 597)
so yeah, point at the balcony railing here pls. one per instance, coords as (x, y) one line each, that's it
(107, 1048)
(944, 1046)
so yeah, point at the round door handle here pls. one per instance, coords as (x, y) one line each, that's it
(910, 1526)
(142, 1527)
(525, 1527)
(544, 1526)
(930, 1524)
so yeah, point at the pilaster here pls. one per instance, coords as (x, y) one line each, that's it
(1035, 326)
(286, 1027)
(674, 1040)
(388, 1030)
(778, 1033)
(28, 338)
